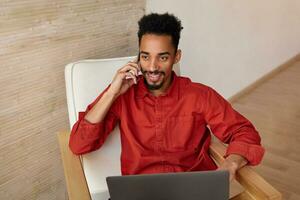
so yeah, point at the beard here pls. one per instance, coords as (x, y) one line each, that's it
(153, 86)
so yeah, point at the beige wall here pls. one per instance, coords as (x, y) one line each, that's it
(37, 39)
(230, 44)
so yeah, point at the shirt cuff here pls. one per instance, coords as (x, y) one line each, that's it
(91, 130)
(252, 152)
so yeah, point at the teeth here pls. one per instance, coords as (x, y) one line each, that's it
(154, 77)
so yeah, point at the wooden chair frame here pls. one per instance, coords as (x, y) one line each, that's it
(256, 188)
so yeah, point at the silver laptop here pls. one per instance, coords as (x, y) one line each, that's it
(204, 185)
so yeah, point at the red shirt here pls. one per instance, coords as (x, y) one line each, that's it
(169, 133)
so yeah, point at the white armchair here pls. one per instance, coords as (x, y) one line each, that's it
(85, 175)
(85, 80)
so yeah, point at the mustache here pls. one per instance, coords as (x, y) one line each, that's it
(155, 72)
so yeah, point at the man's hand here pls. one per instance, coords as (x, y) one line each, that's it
(232, 163)
(124, 79)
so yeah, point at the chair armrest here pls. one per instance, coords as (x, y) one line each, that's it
(255, 186)
(75, 179)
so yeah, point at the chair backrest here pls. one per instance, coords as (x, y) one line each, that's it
(85, 80)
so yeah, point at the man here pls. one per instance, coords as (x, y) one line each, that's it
(164, 118)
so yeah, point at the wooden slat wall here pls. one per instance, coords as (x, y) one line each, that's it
(37, 39)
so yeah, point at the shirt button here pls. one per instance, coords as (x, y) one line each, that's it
(196, 150)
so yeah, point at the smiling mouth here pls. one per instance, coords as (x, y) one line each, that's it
(154, 77)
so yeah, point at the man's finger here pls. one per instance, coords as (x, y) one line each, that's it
(128, 68)
(130, 76)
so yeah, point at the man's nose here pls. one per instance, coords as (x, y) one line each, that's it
(153, 65)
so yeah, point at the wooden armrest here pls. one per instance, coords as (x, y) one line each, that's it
(256, 187)
(75, 179)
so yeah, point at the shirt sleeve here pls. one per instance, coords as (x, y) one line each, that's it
(85, 136)
(232, 128)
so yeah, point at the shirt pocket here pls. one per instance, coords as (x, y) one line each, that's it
(185, 132)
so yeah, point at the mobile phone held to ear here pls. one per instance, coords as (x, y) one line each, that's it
(139, 65)
(138, 58)
(139, 71)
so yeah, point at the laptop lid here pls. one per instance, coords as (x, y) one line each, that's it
(206, 185)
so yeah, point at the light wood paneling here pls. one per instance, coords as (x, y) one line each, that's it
(274, 108)
(37, 39)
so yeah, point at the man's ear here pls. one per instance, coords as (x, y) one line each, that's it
(177, 56)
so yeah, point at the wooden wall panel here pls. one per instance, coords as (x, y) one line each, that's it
(37, 39)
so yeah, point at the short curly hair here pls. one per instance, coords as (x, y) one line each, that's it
(160, 24)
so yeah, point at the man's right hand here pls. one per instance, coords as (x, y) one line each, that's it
(124, 79)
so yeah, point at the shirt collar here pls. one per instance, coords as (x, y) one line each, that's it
(172, 91)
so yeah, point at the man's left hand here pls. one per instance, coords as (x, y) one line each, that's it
(232, 163)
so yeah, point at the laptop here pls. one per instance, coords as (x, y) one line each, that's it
(204, 185)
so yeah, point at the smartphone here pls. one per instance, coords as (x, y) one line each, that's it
(139, 71)
(138, 58)
(139, 64)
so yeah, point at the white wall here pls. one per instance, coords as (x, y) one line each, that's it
(230, 44)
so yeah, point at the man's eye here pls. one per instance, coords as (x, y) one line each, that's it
(164, 58)
(145, 57)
